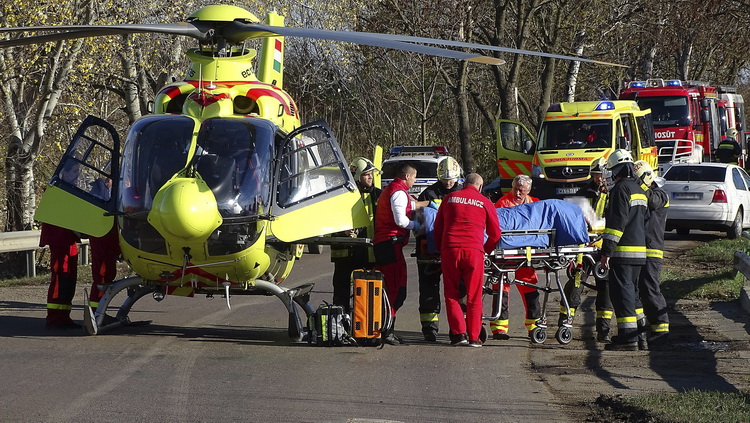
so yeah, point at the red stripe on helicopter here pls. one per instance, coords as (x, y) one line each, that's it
(256, 93)
(197, 271)
(171, 92)
(206, 99)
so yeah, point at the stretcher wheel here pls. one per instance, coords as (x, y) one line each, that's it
(564, 335)
(483, 334)
(539, 335)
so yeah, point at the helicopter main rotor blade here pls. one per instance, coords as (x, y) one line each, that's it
(239, 30)
(68, 32)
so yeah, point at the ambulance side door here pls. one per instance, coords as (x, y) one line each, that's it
(515, 151)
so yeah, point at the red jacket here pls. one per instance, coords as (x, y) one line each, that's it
(385, 225)
(55, 236)
(463, 218)
(508, 200)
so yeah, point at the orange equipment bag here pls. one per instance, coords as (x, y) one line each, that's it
(367, 305)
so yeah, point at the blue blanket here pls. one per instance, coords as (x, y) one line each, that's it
(565, 217)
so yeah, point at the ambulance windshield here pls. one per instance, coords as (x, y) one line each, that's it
(575, 134)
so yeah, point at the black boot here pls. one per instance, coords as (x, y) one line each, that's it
(390, 338)
(430, 331)
(602, 330)
(642, 342)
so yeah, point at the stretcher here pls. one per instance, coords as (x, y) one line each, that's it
(502, 263)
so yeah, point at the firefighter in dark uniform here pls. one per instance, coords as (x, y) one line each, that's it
(624, 247)
(729, 150)
(448, 172)
(347, 259)
(596, 193)
(654, 304)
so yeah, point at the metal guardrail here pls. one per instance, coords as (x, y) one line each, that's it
(28, 241)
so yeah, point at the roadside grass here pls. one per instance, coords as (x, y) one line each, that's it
(707, 274)
(687, 407)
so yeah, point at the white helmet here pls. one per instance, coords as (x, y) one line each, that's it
(644, 172)
(619, 156)
(448, 168)
(361, 165)
(731, 133)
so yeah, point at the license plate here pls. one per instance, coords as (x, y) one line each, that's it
(415, 190)
(687, 195)
(566, 191)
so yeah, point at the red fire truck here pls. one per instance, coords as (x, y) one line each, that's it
(690, 117)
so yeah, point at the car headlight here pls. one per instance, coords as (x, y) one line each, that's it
(536, 172)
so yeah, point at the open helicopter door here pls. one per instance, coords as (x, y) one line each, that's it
(515, 150)
(315, 192)
(82, 193)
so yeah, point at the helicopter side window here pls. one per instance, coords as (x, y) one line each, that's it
(309, 168)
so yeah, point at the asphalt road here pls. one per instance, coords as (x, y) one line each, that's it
(199, 361)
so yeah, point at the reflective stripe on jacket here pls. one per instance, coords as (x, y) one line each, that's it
(625, 232)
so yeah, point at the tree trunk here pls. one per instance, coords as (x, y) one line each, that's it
(574, 67)
(464, 125)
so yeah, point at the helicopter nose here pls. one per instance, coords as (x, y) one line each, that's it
(185, 209)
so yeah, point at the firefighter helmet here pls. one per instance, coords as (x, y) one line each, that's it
(644, 172)
(598, 166)
(448, 168)
(732, 133)
(361, 165)
(619, 156)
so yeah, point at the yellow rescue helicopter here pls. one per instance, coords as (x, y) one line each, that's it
(215, 192)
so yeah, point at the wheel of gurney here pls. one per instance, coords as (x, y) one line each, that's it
(483, 334)
(539, 335)
(564, 335)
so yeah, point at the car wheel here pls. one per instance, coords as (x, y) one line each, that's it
(683, 231)
(736, 230)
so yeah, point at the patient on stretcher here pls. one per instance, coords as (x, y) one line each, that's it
(565, 217)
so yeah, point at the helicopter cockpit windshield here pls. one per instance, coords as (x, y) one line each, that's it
(157, 147)
(234, 158)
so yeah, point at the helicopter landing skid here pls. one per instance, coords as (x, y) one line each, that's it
(299, 295)
(100, 322)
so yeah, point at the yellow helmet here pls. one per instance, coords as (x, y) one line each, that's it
(361, 165)
(448, 168)
(644, 172)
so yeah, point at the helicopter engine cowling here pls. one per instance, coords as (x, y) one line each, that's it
(185, 209)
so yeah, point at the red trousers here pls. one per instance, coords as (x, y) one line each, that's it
(465, 264)
(64, 271)
(394, 278)
(104, 253)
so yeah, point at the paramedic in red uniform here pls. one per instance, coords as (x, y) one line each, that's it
(462, 220)
(63, 248)
(392, 226)
(518, 195)
(104, 250)
(63, 263)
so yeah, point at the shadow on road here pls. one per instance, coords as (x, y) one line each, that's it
(692, 361)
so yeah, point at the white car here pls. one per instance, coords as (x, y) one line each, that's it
(424, 158)
(708, 196)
